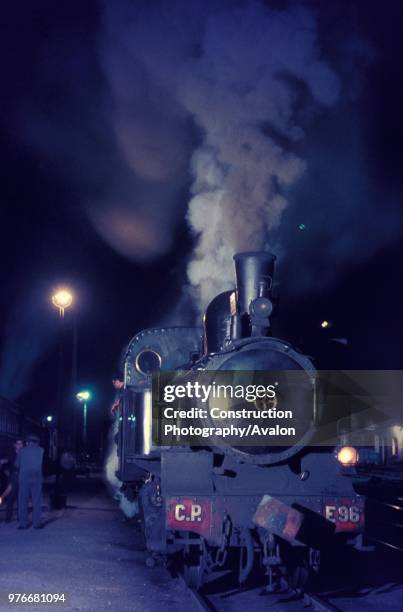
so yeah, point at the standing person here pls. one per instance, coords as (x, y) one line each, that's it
(29, 466)
(68, 468)
(11, 492)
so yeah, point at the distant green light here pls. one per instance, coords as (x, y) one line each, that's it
(83, 396)
(302, 227)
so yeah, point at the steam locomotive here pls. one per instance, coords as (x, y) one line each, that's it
(223, 504)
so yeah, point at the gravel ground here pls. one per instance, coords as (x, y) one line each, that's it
(89, 552)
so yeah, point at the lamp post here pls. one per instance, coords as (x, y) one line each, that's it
(84, 397)
(61, 299)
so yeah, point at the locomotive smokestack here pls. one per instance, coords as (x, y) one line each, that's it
(254, 277)
(254, 282)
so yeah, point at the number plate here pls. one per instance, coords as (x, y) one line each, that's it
(186, 514)
(347, 513)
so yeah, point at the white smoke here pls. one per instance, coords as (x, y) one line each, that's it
(208, 111)
(249, 77)
(254, 63)
(129, 508)
(112, 462)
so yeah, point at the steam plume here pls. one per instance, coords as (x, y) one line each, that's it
(212, 110)
(129, 507)
(249, 77)
(27, 337)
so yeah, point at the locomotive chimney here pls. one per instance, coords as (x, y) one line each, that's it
(254, 281)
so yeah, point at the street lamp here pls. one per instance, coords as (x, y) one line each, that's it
(62, 299)
(84, 397)
(49, 418)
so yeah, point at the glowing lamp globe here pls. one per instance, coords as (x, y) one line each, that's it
(62, 299)
(83, 396)
(348, 455)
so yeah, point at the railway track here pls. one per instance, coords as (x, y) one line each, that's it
(309, 603)
(319, 604)
(385, 596)
(202, 602)
(234, 601)
(385, 522)
(379, 587)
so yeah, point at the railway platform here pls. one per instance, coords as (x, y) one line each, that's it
(90, 553)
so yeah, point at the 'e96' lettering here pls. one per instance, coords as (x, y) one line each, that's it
(342, 514)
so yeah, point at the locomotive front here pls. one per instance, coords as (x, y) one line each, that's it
(256, 383)
(281, 498)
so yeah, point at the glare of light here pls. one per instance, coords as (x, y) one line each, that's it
(147, 423)
(49, 418)
(302, 226)
(83, 396)
(325, 324)
(62, 299)
(347, 455)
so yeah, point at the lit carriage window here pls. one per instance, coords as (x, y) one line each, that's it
(148, 361)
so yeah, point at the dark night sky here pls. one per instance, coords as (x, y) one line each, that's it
(50, 69)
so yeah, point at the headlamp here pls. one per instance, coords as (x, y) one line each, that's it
(347, 455)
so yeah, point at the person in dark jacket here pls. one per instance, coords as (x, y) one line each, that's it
(29, 466)
(10, 494)
(118, 385)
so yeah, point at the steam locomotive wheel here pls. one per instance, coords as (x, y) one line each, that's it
(193, 568)
(194, 576)
(298, 575)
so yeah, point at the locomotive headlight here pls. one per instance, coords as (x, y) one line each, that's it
(347, 455)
